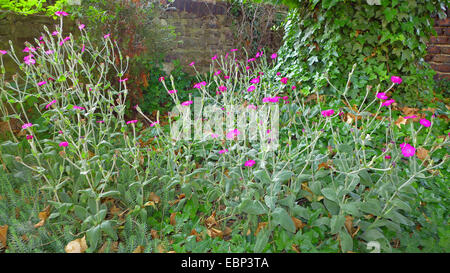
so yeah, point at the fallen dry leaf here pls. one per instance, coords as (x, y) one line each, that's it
(400, 121)
(298, 223)
(3, 232)
(422, 153)
(214, 232)
(349, 224)
(227, 231)
(172, 218)
(113, 248)
(260, 226)
(139, 249)
(153, 197)
(43, 215)
(198, 238)
(161, 248)
(295, 248)
(76, 246)
(211, 220)
(154, 234)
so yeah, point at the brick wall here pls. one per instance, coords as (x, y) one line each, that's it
(439, 48)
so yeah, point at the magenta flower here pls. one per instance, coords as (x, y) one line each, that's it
(213, 58)
(251, 88)
(50, 104)
(107, 35)
(223, 151)
(233, 50)
(161, 79)
(274, 56)
(395, 79)
(278, 73)
(214, 135)
(29, 60)
(61, 13)
(382, 96)
(48, 52)
(408, 117)
(132, 121)
(29, 137)
(154, 123)
(100, 121)
(186, 103)
(54, 33)
(251, 60)
(274, 99)
(248, 67)
(387, 103)
(78, 107)
(222, 88)
(255, 80)
(81, 26)
(63, 144)
(41, 83)
(217, 73)
(199, 85)
(388, 157)
(3, 52)
(123, 80)
(27, 125)
(285, 98)
(249, 163)
(284, 80)
(231, 134)
(252, 106)
(172, 91)
(82, 48)
(192, 64)
(293, 87)
(425, 122)
(328, 113)
(226, 77)
(407, 150)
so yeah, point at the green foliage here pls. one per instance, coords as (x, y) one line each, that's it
(32, 6)
(325, 38)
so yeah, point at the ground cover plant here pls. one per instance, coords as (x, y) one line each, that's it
(81, 177)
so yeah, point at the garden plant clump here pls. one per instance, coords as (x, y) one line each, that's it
(343, 177)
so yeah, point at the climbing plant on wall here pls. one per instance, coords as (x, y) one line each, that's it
(383, 37)
(32, 6)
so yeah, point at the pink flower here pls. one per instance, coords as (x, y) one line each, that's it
(82, 48)
(226, 77)
(100, 121)
(50, 104)
(161, 79)
(81, 26)
(285, 98)
(274, 99)
(54, 33)
(278, 73)
(251, 106)
(217, 73)
(223, 151)
(408, 117)
(3, 52)
(192, 64)
(186, 103)
(107, 35)
(154, 123)
(407, 150)
(328, 113)
(41, 83)
(395, 79)
(248, 67)
(231, 134)
(249, 163)
(388, 157)
(199, 85)
(222, 88)
(214, 135)
(284, 80)
(274, 56)
(293, 87)
(382, 96)
(61, 13)
(29, 60)
(123, 80)
(255, 80)
(48, 52)
(425, 122)
(78, 107)
(251, 88)
(27, 125)
(251, 60)
(172, 91)
(213, 58)
(233, 50)
(132, 121)
(387, 103)
(29, 137)
(63, 144)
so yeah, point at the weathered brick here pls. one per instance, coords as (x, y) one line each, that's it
(444, 49)
(444, 22)
(439, 39)
(433, 50)
(440, 58)
(440, 67)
